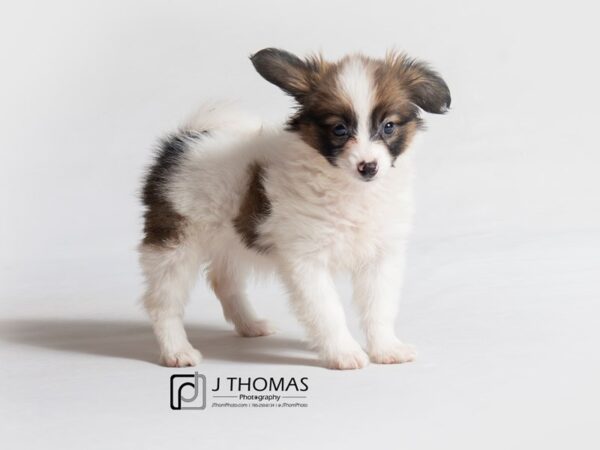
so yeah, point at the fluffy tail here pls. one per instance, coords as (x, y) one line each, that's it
(221, 116)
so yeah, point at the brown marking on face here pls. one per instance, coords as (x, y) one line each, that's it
(254, 209)
(327, 105)
(402, 85)
(321, 110)
(313, 82)
(421, 85)
(391, 97)
(393, 104)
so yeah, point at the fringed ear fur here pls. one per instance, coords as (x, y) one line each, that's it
(426, 87)
(288, 72)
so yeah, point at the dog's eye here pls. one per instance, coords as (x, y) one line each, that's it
(340, 130)
(389, 127)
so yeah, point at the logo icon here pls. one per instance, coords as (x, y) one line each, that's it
(188, 391)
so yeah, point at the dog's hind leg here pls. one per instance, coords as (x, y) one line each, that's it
(228, 282)
(170, 273)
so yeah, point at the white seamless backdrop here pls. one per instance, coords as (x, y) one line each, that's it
(502, 293)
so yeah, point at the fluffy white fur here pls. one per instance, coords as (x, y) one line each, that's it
(323, 219)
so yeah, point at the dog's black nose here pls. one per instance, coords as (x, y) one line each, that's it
(367, 169)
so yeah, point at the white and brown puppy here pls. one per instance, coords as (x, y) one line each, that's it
(330, 191)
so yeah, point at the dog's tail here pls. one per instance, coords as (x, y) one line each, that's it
(221, 117)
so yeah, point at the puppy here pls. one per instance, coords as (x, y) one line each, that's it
(330, 191)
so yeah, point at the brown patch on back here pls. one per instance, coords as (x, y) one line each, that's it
(254, 209)
(162, 224)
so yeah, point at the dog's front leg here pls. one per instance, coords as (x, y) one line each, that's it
(377, 288)
(315, 301)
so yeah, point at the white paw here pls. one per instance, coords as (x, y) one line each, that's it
(345, 359)
(394, 352)
(183, 358)
(255, 328)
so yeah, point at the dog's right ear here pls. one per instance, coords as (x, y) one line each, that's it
(285, 70)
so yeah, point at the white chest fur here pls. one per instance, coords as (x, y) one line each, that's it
(318, 212)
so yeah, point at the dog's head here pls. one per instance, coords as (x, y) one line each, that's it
(359, 113)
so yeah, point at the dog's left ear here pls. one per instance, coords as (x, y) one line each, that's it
(288, 72)
(426, 87)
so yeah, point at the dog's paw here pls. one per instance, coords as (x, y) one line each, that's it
(347, 359)
(255, 328)
(183, 358)
(392, 353)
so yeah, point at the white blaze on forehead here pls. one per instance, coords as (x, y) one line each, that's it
(356, 81)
